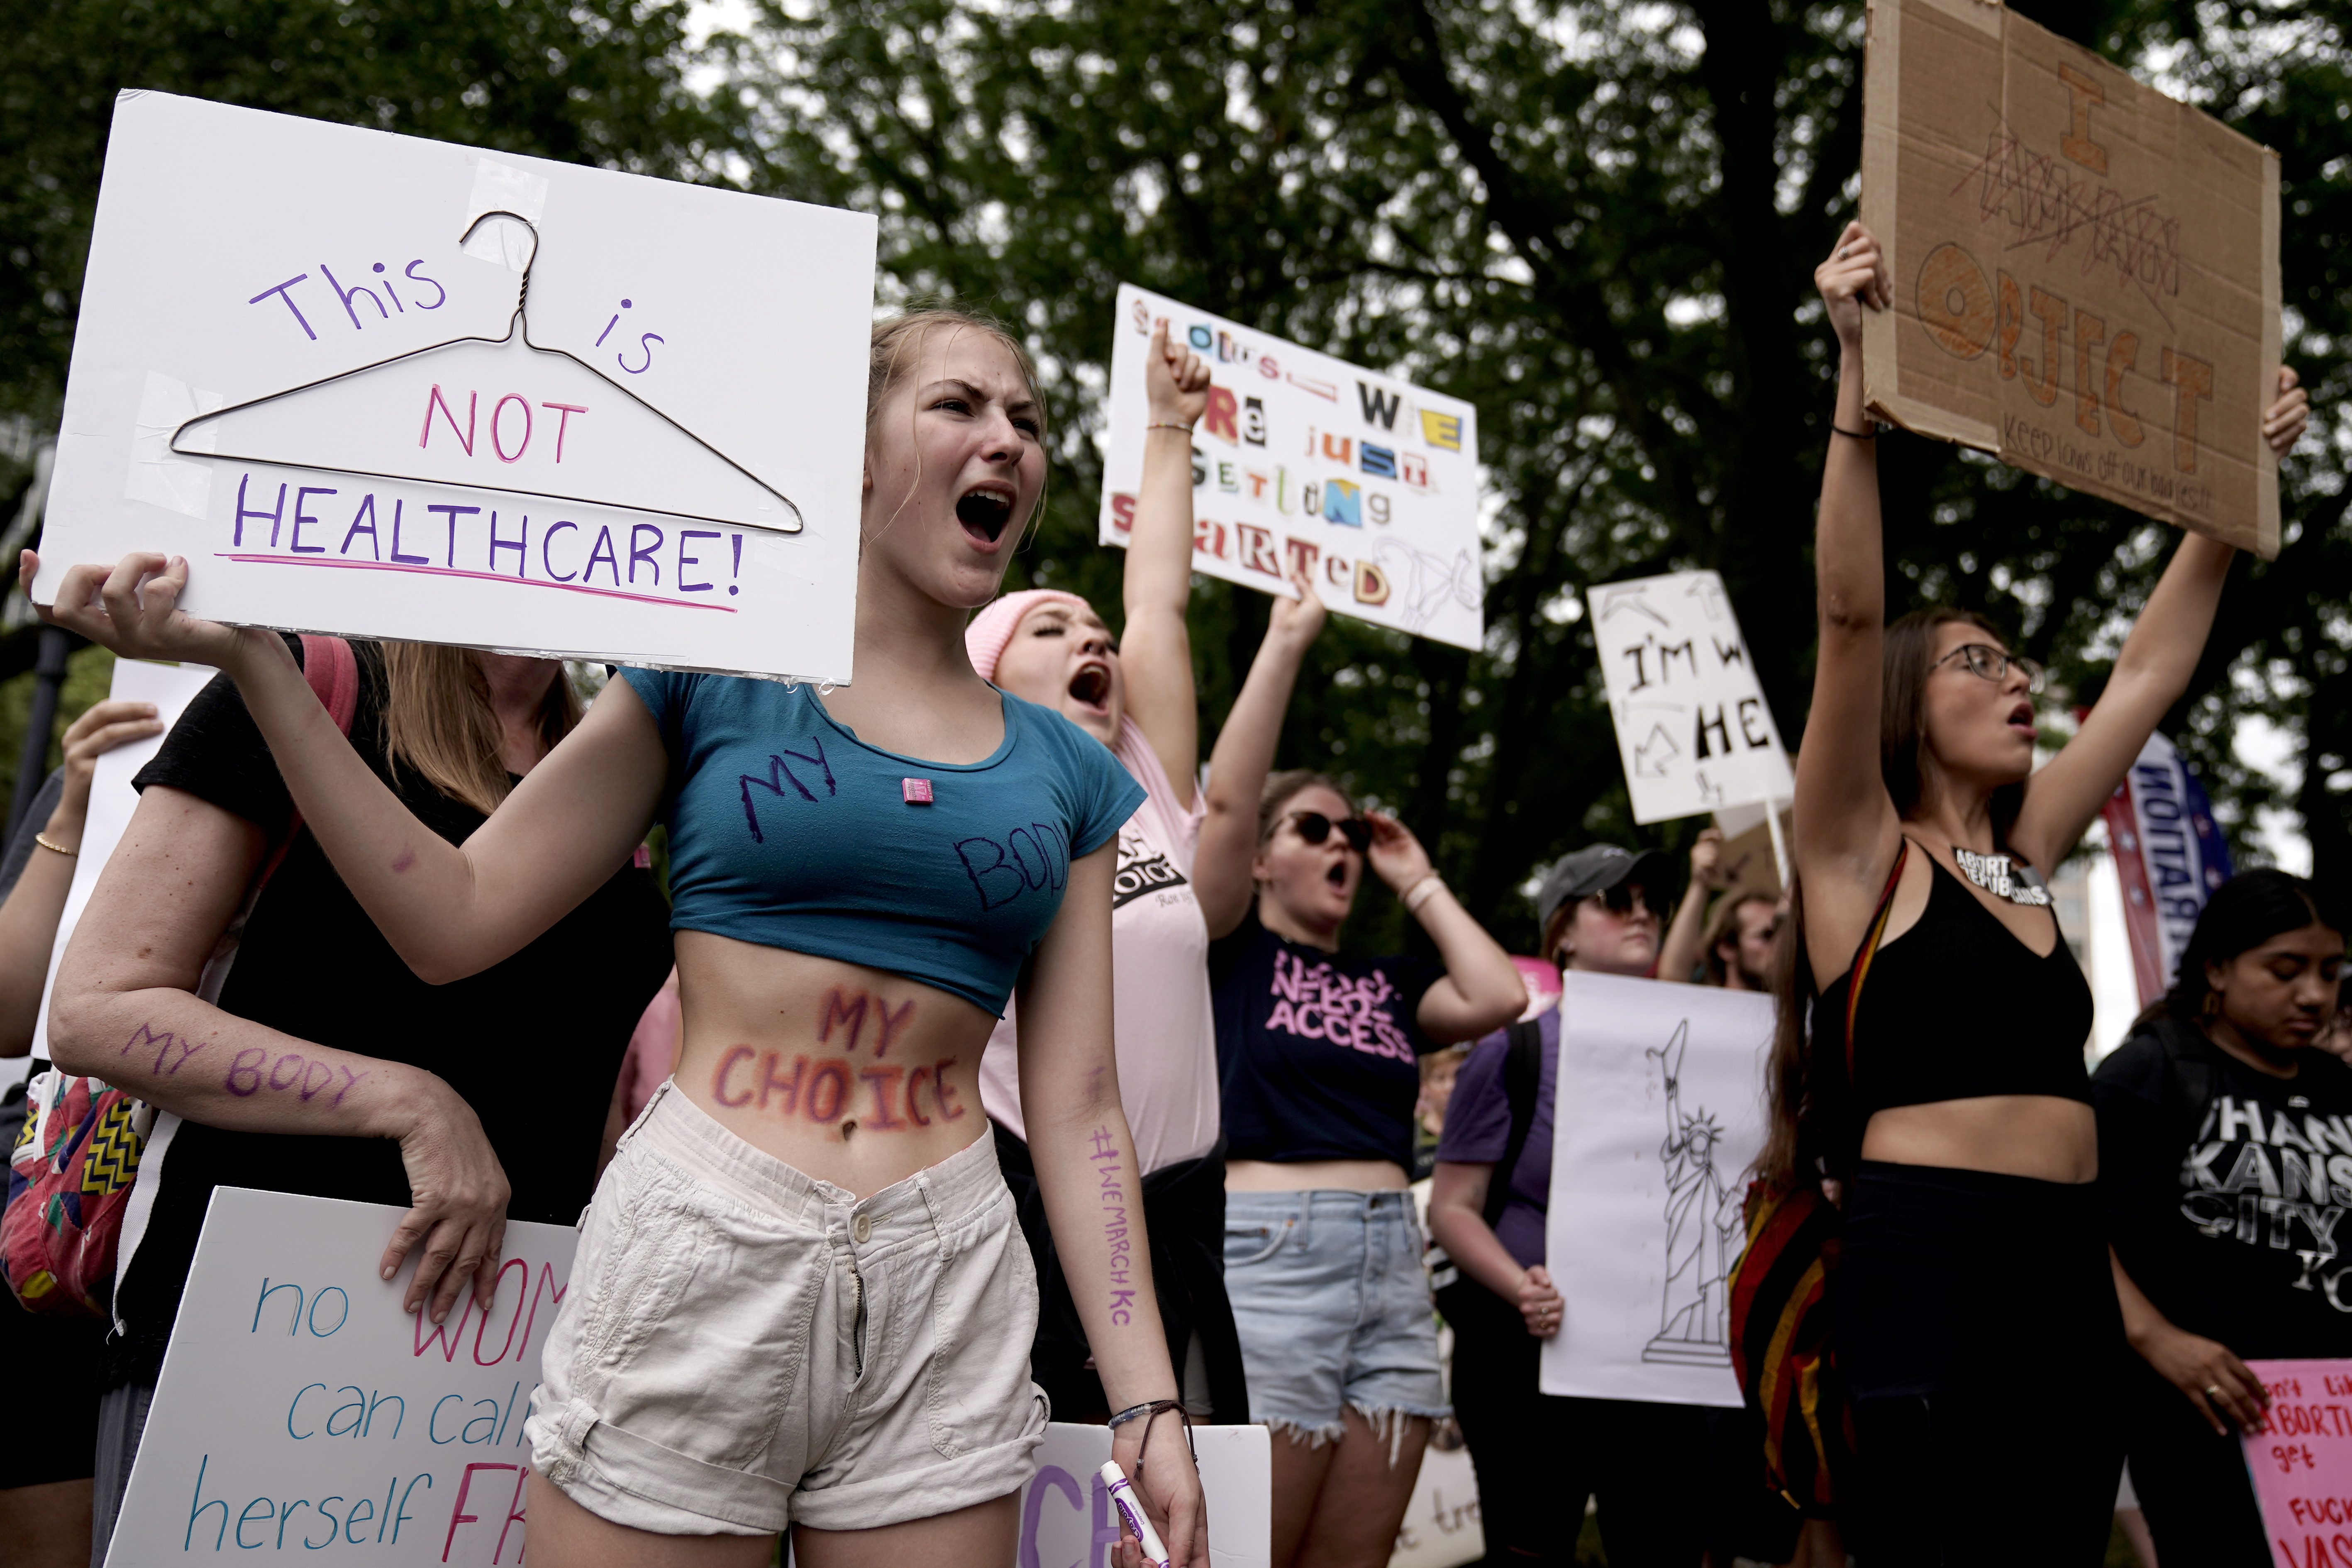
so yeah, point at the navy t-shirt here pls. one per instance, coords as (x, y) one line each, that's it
(1478, 1132)
(1318, 1052)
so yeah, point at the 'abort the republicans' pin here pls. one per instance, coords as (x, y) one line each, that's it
(917, 791)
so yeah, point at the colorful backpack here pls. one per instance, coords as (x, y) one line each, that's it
(71, 1176)
(1780, 1303)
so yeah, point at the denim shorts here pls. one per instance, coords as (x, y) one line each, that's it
(1333, 1306)
(744, 1347)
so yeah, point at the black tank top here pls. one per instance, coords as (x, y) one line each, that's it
(1957, 1007)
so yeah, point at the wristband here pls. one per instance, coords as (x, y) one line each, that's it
(1168, 425)
(1420, 892)
(1854, 435)
(1149, 1407)
(43, 840)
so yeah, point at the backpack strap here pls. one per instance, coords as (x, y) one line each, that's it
(333, 672)
(1522, 1077)
(1869, 949)
(2187, 1071)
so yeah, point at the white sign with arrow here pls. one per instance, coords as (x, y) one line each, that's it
(1693, 729)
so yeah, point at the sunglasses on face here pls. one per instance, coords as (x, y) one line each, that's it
(1991, 664)
(1314, 827)
(1622, 899)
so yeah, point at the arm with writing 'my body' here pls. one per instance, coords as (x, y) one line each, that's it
(449, 910)
(1093, 1187)
(1156, 647)
(126, 1012)
(1244, 755)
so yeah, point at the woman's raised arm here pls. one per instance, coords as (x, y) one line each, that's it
(1846, 830)
(1243, 754)
(448, 911)
(1156, 649)
(2152, 671)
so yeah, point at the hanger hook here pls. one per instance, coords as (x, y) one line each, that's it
(529, 262)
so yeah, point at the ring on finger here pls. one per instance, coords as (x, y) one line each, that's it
(1841, 250)
(2213, 1391)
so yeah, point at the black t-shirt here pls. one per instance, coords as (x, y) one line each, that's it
(533, 1044)
(1317, 1052)
(2229, 1214)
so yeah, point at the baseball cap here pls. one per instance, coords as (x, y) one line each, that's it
(1596, 868)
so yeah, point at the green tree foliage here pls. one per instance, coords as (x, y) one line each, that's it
(1598, 222)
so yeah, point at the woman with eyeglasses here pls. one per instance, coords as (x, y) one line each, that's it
(1974, 1266)
(1317, 1050)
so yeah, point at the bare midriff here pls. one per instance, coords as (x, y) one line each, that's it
(848, 1074)
(1313, 1176)
(2036, 1135)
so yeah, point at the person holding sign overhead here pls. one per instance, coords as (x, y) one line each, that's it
(1322, 1252)
(1183, 878)
(1974, 1262)
(802, 1298)
(2221, 1134)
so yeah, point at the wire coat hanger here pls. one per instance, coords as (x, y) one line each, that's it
(519, 325)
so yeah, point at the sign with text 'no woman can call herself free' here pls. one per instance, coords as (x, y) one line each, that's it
(1693, 727)
(1369, 482)
(624, 420)
(300, 1411)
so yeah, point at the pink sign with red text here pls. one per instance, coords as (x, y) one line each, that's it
(2301, 1462)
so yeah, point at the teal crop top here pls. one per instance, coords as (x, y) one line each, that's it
(787, 830)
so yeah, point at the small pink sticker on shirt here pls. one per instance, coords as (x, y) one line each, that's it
(644, 859)
(917, 791)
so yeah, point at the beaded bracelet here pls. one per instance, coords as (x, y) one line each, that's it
(1151, 1411)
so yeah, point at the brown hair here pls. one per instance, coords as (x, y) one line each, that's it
(1280, 788)
(438, 720)
(895, 342)
(1809, 1134)
(1722, 926)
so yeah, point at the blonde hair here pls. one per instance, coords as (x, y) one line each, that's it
(896, 341)
(438, 720)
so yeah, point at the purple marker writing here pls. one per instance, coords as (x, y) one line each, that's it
(1131, 1508)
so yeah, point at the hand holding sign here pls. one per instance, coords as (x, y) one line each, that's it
(1158, 1463)
(1854, 275)
(1175, 382)
(132, 609)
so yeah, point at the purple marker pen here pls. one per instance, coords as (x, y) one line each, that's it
(1131, 1508)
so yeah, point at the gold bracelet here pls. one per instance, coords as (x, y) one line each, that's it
(1168, 425)
(43, 840)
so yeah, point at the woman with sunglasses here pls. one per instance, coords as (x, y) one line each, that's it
(1319, 1055)
(1974, 1261)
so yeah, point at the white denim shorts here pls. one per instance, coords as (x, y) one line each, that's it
(744, 1347)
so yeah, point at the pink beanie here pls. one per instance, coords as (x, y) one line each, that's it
(991, 629)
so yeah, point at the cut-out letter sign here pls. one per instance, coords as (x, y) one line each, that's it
(396, 388)
(1369, 483)
(2086, 272)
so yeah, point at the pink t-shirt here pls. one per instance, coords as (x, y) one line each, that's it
(1167, 1041)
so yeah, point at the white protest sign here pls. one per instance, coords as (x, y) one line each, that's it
(632, 430)
(1369, 482)
(1693, 729)
(300, 1410)
(1067, 1520)
(169, 686)
(1659, 1113)
(1442, 1527)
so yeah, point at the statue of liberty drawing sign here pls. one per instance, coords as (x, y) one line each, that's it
(1704, 1228)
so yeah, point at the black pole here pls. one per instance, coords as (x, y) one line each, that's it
(33, 761)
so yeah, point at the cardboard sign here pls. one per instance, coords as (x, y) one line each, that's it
(301, 1411)
(1659, 1113)
(2086, 272)
(1693, 729)
(624, 423)
(2301, 1461)
(169, 686)
(1369, 482)
(1067, 1520)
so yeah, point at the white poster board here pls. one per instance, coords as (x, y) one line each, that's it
(287, 368)
(1067, 1520)
(1694, 732)
(1369, 481)
(300, 1404)
(1659, 1113)
(169, 686)
(1441, 1528)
